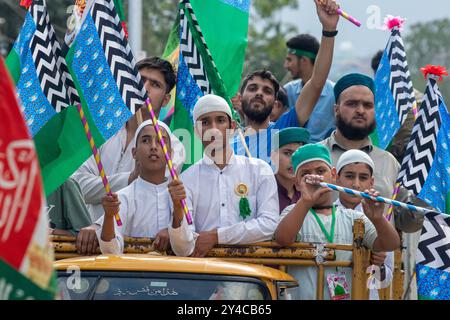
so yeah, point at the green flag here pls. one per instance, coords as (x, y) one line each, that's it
(212, 39)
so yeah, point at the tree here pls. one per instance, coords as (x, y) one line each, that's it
(429, 43)
(268, 35)
(266, 42)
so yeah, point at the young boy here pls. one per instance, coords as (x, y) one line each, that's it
(285, 142)
(314, 218)
(232, 199)
(144, 206)
(354, 170)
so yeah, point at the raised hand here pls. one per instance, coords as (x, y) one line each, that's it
(326, 10)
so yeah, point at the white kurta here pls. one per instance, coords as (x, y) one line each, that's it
(214, 204)
(145, 210)
(118, 164)
(388, 263)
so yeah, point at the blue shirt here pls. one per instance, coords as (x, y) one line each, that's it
(260, 143)
(321, 122)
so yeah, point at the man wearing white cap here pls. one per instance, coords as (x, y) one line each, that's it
(232, 199)
(355, 170)
(144, 206)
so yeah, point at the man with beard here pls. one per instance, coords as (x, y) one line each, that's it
(355, 120)
(259, 91)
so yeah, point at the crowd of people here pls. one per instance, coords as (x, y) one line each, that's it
(251, 185)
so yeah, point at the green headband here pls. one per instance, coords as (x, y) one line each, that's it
(299, 52)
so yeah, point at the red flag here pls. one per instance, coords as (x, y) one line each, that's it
(21, 194)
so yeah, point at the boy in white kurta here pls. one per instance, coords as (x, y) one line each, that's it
(232, 199)
(354, 170)
(159, 78)
(144, 206)
(314, 218)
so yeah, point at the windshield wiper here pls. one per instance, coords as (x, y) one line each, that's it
(93, 290)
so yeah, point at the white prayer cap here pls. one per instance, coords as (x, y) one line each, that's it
(353, 156)
(150, 123)
(210, 103)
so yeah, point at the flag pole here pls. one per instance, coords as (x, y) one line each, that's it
(407, 206)
(96, 154)
(173, 173)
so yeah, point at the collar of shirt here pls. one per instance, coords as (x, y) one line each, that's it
(325, 91)
(367, 147)
(210, 162)
(141, 183)
(358, 208)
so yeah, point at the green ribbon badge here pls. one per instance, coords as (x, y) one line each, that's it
(244, 206)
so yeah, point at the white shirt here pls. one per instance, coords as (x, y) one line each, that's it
(214, 204)
(118, 164)
(388, 263)
(343, 234)
(145, 210)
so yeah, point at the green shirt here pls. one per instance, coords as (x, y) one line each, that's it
(66, 208)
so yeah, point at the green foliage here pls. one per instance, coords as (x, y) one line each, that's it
(268, 34)
(429, 43)
(267, 30)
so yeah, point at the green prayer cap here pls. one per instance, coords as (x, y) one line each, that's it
(353, 79)
(309, 153)
(290, 135)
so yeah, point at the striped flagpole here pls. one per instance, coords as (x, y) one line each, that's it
(173, 173)
(96, 154)
(379, 199)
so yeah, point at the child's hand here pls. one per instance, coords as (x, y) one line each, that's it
(373, 209)
(177, 192)
(111, 204)
(310, 191)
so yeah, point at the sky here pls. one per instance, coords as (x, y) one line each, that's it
(367, 39)
(354, 42)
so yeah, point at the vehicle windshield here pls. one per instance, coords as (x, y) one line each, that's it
(103, 285)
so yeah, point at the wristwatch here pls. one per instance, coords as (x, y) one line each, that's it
(329, 34)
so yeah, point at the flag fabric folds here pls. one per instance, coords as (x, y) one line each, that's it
(394, 94)
(425, 171)
(425, 168)
(433, 259)
(199, 72)
(96, 68)
(26, 258)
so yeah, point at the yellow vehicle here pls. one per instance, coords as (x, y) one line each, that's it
(156, 277)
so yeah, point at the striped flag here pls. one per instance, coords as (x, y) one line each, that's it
(198, 73)
(47, 92)
(433, 259)
(426, 171)
(425, 168)
(394, 95)
(26, 258)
